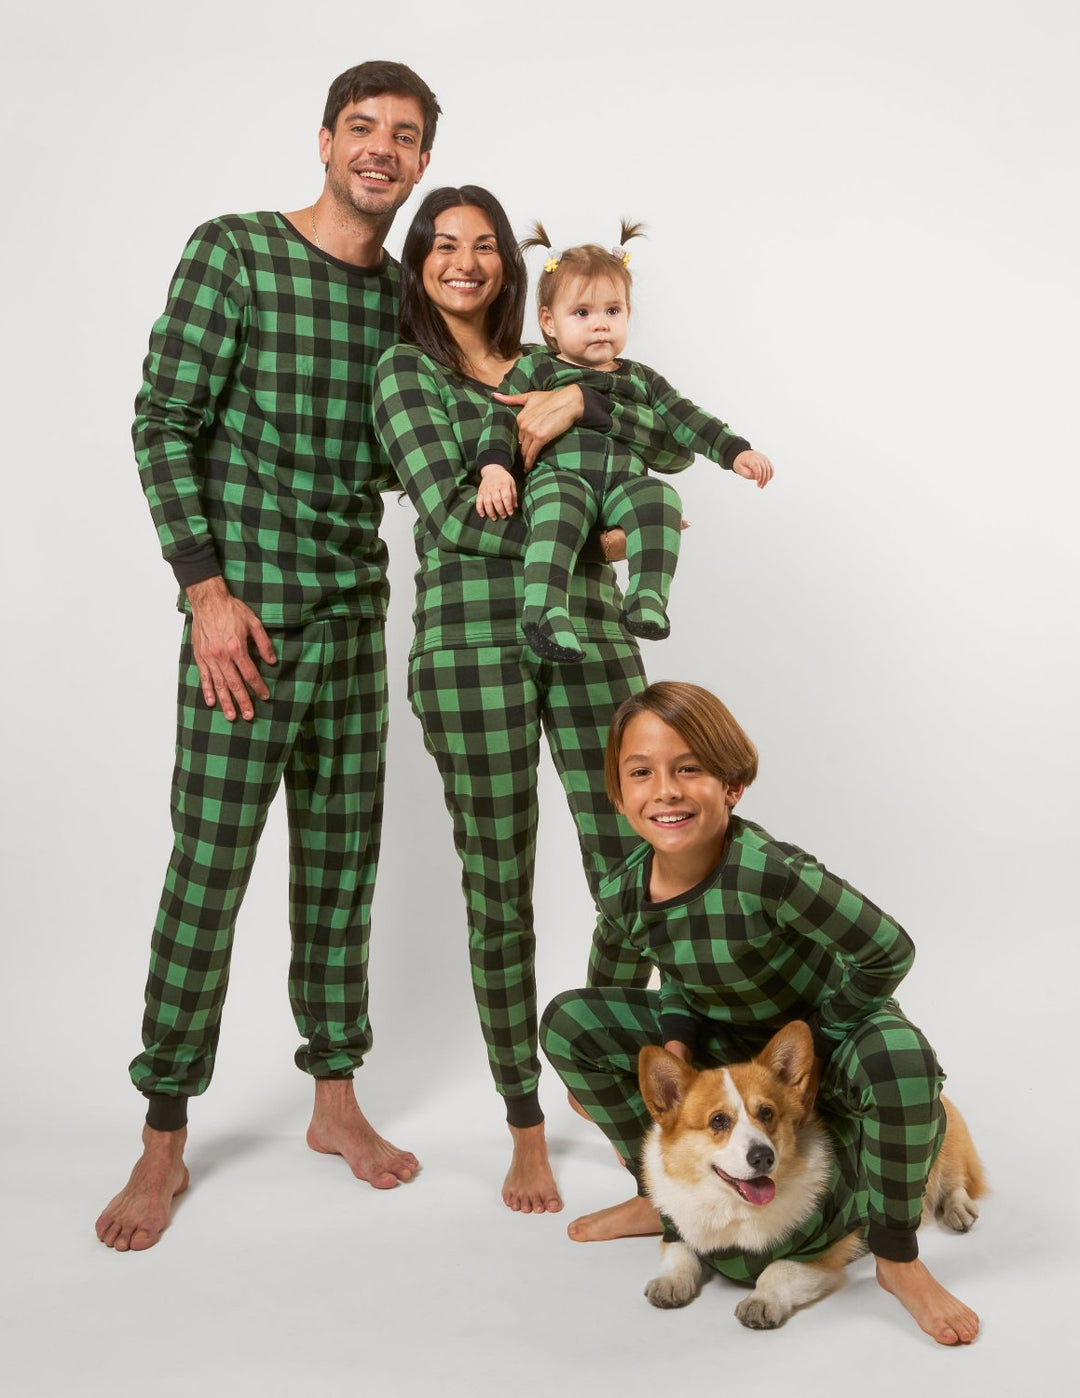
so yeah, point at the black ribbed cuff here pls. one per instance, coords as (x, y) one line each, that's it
(524, 1111)
(196, 564)
(165, 1113)
(684, 1029)
(893, 1244)
(596, 416)
(731, 449)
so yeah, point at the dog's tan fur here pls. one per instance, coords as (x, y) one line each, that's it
(767, 1106)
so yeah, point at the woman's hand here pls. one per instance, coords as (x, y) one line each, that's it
(543, 416)
(497, 496)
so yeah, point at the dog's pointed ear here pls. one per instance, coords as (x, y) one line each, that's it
(663, 1079)
(790, 1056)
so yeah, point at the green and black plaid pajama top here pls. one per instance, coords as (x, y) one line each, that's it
(770, 936)
(257, 455)
(583, 480)
(482, 697)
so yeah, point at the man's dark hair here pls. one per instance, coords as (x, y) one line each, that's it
(420, 322)
(373, 80)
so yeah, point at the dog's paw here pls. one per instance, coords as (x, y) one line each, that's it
(760, 1313)
(959, 1211)
(670, 1292)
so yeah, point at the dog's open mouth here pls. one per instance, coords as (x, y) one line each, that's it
(756, 1191)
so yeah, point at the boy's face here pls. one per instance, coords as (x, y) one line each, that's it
(589, 321)
(667, 795)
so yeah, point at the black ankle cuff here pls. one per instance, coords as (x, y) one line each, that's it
(165, 1113)
(524, 1111)
(893, 1244)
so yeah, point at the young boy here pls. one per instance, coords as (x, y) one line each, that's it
(749, 933)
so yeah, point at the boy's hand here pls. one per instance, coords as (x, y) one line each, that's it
(755, 466)
(497, 496)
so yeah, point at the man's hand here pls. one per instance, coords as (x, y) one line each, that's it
(497, 496)
(222, 630)
(544, 415)
(755, 466)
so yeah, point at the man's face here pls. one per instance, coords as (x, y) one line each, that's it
(372, 157)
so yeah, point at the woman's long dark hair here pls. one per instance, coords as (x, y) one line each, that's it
(419, 321)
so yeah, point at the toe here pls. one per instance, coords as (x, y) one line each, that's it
(553, 1204)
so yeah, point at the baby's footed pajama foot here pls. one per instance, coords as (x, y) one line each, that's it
(552, 637)
(644, 615)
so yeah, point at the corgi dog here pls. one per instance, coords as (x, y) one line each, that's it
(740, 1164)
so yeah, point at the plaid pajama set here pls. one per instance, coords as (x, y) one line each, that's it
(584, 480)
(256, 452)
(482, 697)
(770, 936)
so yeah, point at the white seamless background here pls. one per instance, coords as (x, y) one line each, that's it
(863, 224)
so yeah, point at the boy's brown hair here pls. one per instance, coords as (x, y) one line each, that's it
(588, 261)
(710, 731)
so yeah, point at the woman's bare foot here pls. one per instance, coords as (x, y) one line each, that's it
(637, 1218)
(339, 1127)
(529, 1187)
(137, 1217)
(936, 1310)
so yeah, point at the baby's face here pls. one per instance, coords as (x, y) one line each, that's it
(589, 321)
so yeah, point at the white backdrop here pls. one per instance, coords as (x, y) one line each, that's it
(862, 253)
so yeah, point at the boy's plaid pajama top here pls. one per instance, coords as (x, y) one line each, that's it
(770, 936)
(257, 456)
(482, 697)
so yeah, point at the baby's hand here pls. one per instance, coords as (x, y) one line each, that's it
(497, 496)
(755, 466)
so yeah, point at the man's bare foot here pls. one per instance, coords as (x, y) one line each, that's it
(137, 1217)
(339, 1127)
(936, 1310)
(529, 1187)
(637, 1218)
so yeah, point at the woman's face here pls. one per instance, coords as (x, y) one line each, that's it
(463, 272)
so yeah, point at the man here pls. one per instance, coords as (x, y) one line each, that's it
(253, 435)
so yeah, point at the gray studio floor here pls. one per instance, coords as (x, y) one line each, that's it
(281, 1275)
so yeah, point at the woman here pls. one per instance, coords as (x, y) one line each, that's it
(481, 695)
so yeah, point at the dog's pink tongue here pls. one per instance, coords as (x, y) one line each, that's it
(759, 1191)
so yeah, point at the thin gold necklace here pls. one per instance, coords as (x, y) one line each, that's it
(315, 231)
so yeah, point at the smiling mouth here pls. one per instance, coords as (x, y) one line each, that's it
(456, 284)
(760, 1190)
(670, 821)
(380, 175)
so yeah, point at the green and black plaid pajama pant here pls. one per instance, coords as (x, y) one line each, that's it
(561, 505)
(323, 733)
(482, 711)
(883, 1074)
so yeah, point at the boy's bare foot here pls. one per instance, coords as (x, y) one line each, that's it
(339, 1127)
(137, 1217)
(637, 1218)
(936, 1310)
(529, 1187)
